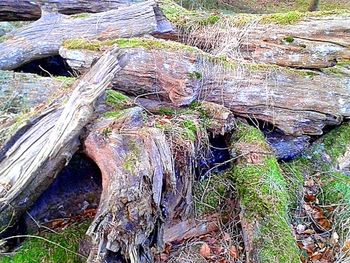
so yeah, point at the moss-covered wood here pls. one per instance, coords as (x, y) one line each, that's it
(297, 102)
(263, 195)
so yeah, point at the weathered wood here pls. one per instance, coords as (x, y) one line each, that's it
(298, 102)
(263, 198)
(191, 228)
(314, 42)
(137, 171)
(33, 161)
(31, 10)
(23, 96)
(44, 37)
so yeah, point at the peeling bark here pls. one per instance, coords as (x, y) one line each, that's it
(293, 100)
(33, 161)
(137, 171)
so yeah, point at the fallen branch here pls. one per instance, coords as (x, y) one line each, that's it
(44, 37)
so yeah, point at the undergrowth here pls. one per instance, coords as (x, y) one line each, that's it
(51, 247)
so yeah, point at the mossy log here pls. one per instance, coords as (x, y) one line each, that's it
(312, 43)
(297, 102)
(263, 195)
(30, 10)
(293, 39)
(34, 159)
(28, 43)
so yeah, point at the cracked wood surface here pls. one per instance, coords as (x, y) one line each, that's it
(295, 101)
(44, 37)
(137, 171)
(32, 162)
(315, 42)
(31, 10)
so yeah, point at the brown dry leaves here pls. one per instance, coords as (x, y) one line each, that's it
(314, 233)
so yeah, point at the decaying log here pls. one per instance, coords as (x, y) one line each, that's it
(137, 171)
(33, 161)
(31, 10)
(44, 37)
(293, 100)
(313, 41)
(263, 198)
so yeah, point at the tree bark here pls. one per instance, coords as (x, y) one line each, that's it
(311, 43)
(292, 100)
(29, 44)
(24, 96)
(33, 161)
(137, 171)
(30, 10)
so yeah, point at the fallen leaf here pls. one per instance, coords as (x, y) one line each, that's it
(346, 247)
(205, 250)
(233, 252)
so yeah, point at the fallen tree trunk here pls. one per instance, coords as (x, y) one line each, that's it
(33, 161)
(29, 10)
(311, 43)
(302, 40)
(29, 44)
(297, 102)
(263, 196)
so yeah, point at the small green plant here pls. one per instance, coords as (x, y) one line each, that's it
(289, 39)
(195, 75)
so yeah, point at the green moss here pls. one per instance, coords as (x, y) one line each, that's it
(263, 194)
(67, 81)
(116, 99)
(190, 129)
(209, 195)
(167, 111)
(112, 114)
(82, 44)
(262, 188)
(289, 39)
(195, 75)
(146, 43)
(283, 18)
(337, 140)
(81, 16)
(185, 19)
(35, 250)
(248, 134)
(132, 157)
